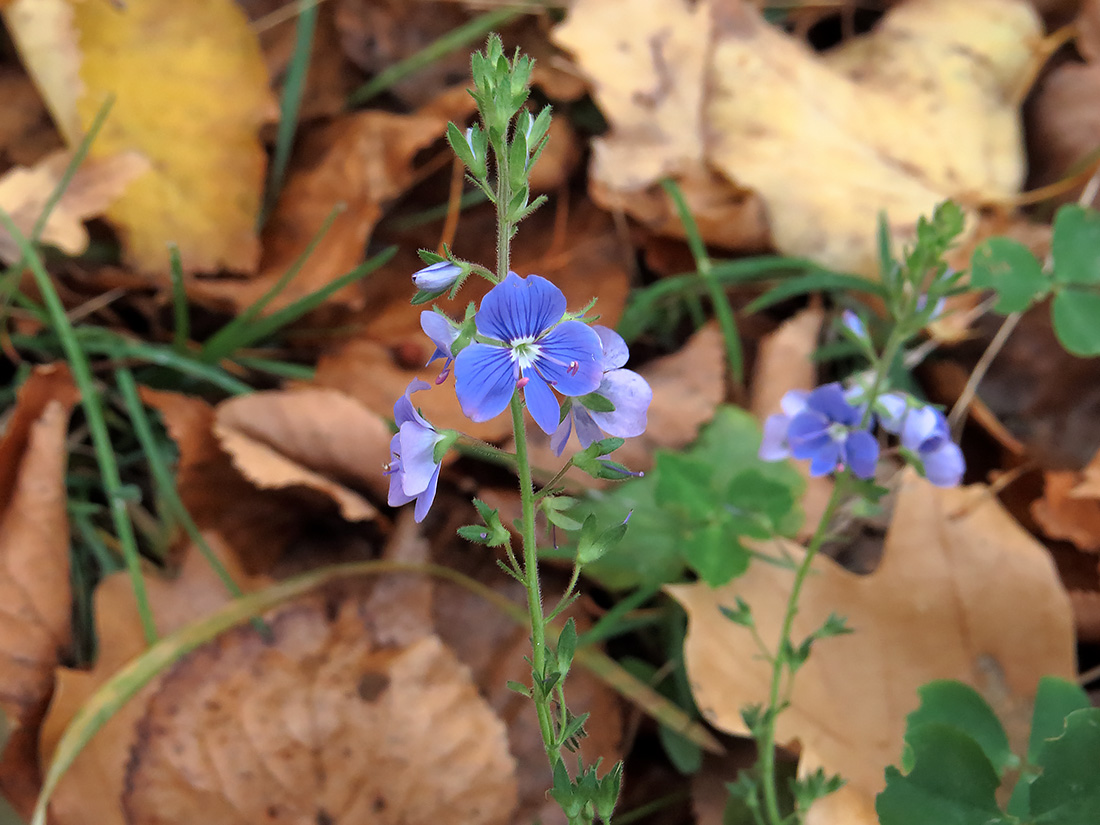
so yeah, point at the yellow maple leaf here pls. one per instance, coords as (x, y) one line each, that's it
(191, 91)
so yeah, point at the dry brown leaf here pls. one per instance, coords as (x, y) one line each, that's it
(92, 789)
(96, 184)
(917, 111)
(316, 438)
(963, 592)
(257, 524)
(320, 725)
(1064, 124)
(784, 363)
(26, 132)
(1063, 514)
(358, 163)
(35, 606)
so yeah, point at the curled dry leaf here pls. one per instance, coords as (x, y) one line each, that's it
(963, 592)
(257, 524)
(919, 110)
(319, 725)
(35, 607)
(1064, 514)
(315, 438)
(96, 184)
(355, 165)
(784, 363)
(199, 68)
(92, 789)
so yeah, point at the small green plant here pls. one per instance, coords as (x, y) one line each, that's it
(957, 755)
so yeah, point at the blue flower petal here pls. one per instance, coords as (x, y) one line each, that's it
(520, 308)
(570, 358)
(588, 431)
(615, 351)
(861, 453)
(807, 433)
(918, 426)
(484, 380)
(773, 446)
(825, 458)
(560, 436)
(403, 409)
(829, 400)
(945, 465)
(793, 402)
(892, 408)
(417, 456)
(631, 395)
(544, 407)
(425, 499)
(396, 496)
(441, 330)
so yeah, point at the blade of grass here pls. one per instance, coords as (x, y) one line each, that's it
(93, 411)
(293, 86)
(227, 339)
(181, 332)
(718, 297)
(266, 327)
(282, 369)
(454, 39)
(129, 679)
(118, 347)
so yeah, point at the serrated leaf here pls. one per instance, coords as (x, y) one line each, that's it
(1008, 268)
(1076, 317)
(957, 705)
(952, 782)
(1075, 246)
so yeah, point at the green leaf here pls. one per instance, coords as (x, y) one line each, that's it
(1068, 790)
(952, 782)
(699, 486)
(685, 755)
(1054, 701)
(1076, 317)
(1009, 269)
(684, 485)
(714, 554)
(818, 281)
(1076, 246)
(957, 705)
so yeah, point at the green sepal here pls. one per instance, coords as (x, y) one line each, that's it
(596, 402)
(554, 506)
(740, 614)
(566, 647)
(493, 534)
(593, 543)
(449, 437)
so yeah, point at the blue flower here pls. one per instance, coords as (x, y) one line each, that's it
(413, 470)
(443, 332)
(923, 431)
(823, 427)
(537, 351)
(627, 391)
(437, 277)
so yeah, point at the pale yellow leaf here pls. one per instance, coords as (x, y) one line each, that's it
(190, 93)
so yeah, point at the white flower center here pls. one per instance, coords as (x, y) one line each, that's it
(525, 352)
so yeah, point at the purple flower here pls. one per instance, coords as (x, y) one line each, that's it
(923, 430)
(413, 470)
(823, 427)
(437, 277)
(627, 391)
(854, 323)
(538, 350)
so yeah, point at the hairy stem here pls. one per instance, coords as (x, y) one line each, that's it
(781, 664)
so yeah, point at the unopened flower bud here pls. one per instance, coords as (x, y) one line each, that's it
(437, 277)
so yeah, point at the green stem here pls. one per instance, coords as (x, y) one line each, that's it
(531, 582)
(780, 662)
